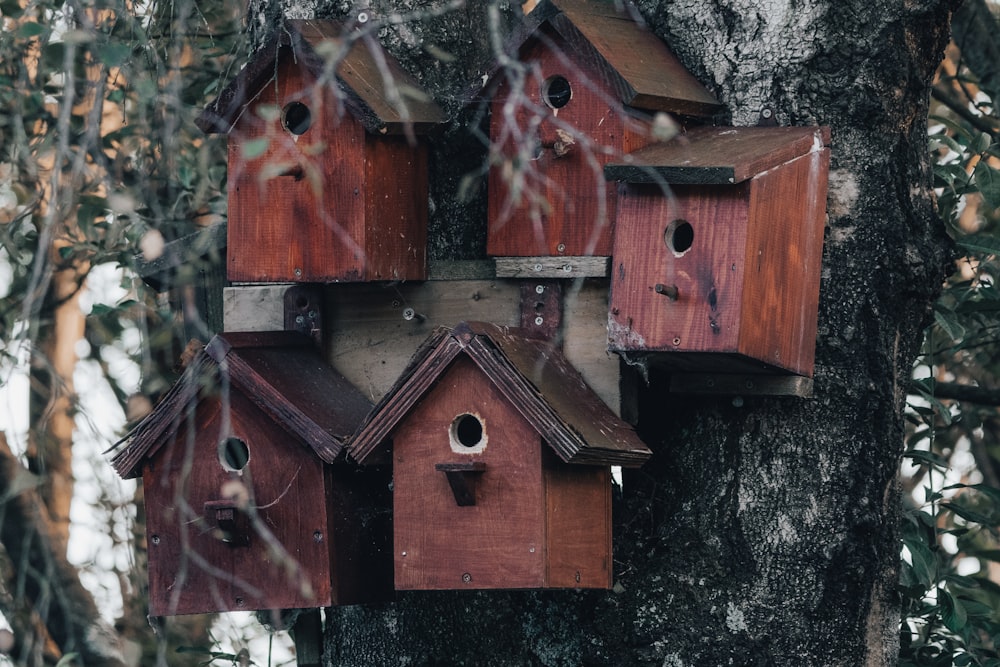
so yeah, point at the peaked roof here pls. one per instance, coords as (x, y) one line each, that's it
(718, 155)
(532, 374)
(280, 372)
(377, 91)
(638, 64)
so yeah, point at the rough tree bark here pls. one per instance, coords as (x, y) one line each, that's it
(763, 532)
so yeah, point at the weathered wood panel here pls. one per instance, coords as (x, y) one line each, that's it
(497, 543)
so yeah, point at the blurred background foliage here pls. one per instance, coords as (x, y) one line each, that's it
(950, 578)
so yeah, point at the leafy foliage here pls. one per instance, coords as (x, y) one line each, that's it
(951, 470)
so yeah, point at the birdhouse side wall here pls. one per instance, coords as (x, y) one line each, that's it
(296, 201)
(499, 542)
(281, 565)
(396, 187)
(784, 252)
(578, 525)
(691, 241)
(546, 189)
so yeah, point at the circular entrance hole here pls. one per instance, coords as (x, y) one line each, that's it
(296, 118)
(679, 236)
(556, 91)
(467, 433)
(234, 454)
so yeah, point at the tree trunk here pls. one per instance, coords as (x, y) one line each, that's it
(763, 532)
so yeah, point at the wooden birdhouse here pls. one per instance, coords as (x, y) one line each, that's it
(327, 170)
(593, 77)
(246, 504)
(718, 246)
(501, 460)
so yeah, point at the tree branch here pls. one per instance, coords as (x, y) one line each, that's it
(957, 391)
(977, 33)
(48, 582)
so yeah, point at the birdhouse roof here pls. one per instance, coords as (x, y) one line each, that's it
(375, 89)
(638, 65)
(532, 374)
(718, 155)
(280, 372)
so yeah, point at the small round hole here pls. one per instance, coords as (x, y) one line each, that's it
(234, 454)
(679, 236)
(296, 117)
(468, 430)
(556, 91)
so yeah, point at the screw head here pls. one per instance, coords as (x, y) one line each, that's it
(363, 17)
(156, 539)
(467, 578)
(561, 247)
(539, 320)
(240, 602)
(298, 273)
(317, 537)
(539, 289)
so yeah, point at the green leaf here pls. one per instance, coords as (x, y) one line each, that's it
(923, 456)
(948, 321)
(922, 561)
(968, 514)
(987, 180)
(953, 612)
(30, 29)
(982, 143)
(114, 54)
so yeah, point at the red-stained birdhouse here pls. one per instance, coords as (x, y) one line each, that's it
(501, 460)
(592, 78)
(327, 170)
(246, 504)
(718, 246)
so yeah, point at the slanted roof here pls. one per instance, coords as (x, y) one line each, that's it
(718, 155)
(280, 372)
(639, 66)
(377, 91)
(532, 374)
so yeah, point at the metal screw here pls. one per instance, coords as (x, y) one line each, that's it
(298, 273)
(578, 576)
(561, 247)
(538, 267)
(300, 319)
(156, 539)
(567, 268)
(531, 550)
(749, 384)
(677, 341)
(363, 17)
(467, 578)
(766, 113)
(403, 554)
(240, 602)
(539, 289)
(317, 537)
(311, 314)
(409, 314)
(539, 320)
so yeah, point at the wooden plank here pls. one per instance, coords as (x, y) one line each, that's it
(396, 209)
(552, 267)
(541, 307)
(718, 155)
(585, 339)
(254, 307)
(370, 342)
(784, 254)
(741, 385)
(652, 78)
(577, 525)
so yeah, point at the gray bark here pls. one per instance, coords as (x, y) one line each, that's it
(763, 532)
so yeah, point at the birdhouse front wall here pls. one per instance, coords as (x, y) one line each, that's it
(206, 552)
(528, 527)
(313, 197)
(546, 192)
(722, 278)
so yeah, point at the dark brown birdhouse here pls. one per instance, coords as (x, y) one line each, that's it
(501, 460)
(718, 246)
(327, 172)
(245, 507)
(591, 79)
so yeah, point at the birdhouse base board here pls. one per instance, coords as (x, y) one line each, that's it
(742, 385)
